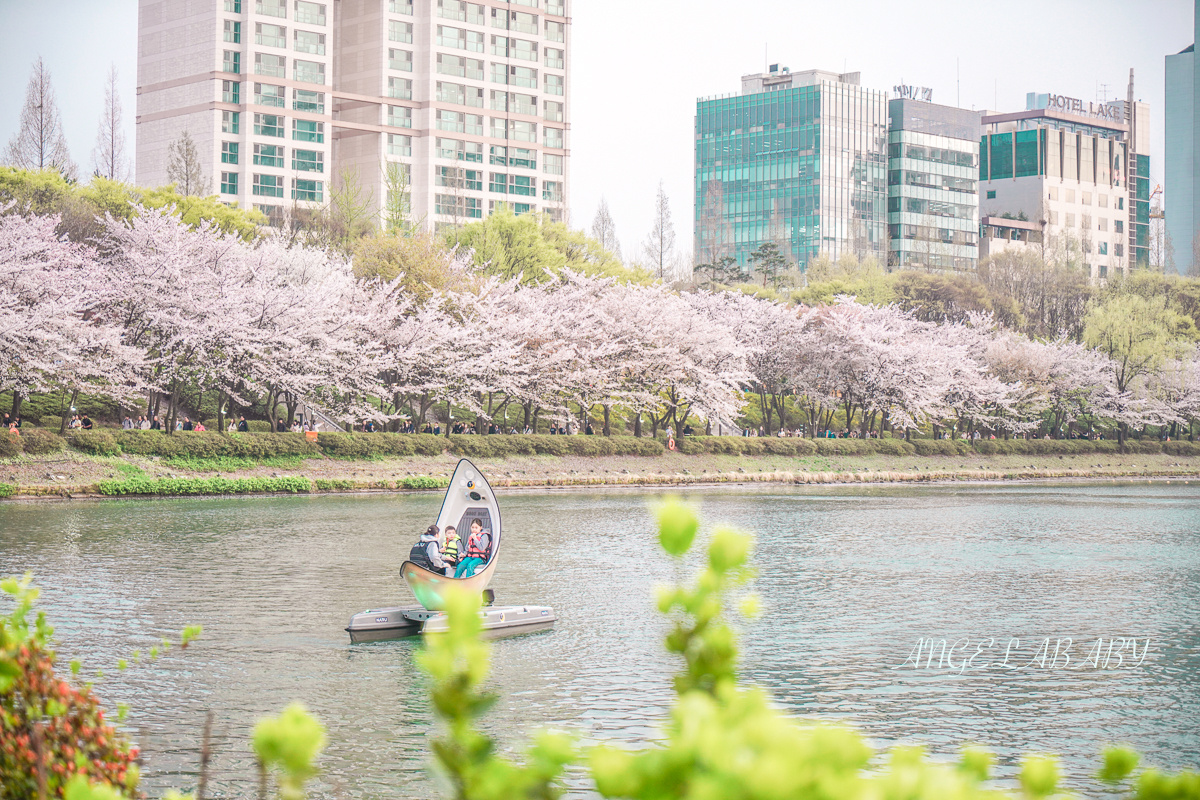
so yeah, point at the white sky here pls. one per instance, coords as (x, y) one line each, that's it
(638, 68)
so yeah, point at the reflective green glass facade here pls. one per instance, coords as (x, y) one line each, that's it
(802, 166)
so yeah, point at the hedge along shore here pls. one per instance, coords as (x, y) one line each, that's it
(144, 463)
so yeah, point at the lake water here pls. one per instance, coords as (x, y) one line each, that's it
(853, 581)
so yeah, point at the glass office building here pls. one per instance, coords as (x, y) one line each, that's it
(1182, 159)
(933, 201)
(799, 159)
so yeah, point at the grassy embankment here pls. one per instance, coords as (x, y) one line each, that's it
(145, 463)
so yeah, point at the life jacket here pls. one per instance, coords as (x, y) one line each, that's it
(475, 549)
(419, 554)
(450, 553)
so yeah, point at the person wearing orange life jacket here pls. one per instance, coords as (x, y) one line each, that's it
(479, 548)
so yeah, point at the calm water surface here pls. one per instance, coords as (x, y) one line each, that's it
(852, 580)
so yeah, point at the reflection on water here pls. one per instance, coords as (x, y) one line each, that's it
(852, 579)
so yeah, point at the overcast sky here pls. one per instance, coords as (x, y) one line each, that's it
(638, 67)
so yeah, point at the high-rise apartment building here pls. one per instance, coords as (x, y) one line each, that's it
(1182, 156)
(797, 158)
(933, 176)
(447, 107)
(1077, 171)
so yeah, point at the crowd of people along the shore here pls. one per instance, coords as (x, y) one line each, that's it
(444, 551)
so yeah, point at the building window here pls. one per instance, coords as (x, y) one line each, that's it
(1085, 221)
(459, 95)
(554, 84)
(460, 65)
(399, 116)
(553, 111)
(1053, 194)
(552, 191)
(462, 151)
(268, 125)
(310, 13)
(308, 71)
(1102, 224)
(268, 155)
(1120, 203)
(457, 9)
(267, 186)
(231, 92)
(1118, 226)
(229, 153)
(308, 190)
(400, 7)
(271, 65)
(399, 88)
(399, 145)
(229, 121)
(552, 164)
(1104, 270)
(401, 60)
(556, 31)
(553, 137)
(522, 185)
(450, 121)
(231, 61)
(233, 32)
(526, 51)
(1102, 248)
(1070, 220)
(1069, 195)
(522, 131)
(991, 195)
(459, 38)
(233, 6)
(459, 178)
(523, 157)
(1102, 200)
(458, 206)
(308, 42)
(1119, 250)
(271, 8)
(498, 183)
(308, 100)
(270, 35)
(308, 160)
(399, 31)
(1086, 198)
(305, 130)
(556, 7)
(498, 156)
(500, 46)
(229, 183)
(555, 58)
(267, 95)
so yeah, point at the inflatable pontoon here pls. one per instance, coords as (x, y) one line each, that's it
(469, 498)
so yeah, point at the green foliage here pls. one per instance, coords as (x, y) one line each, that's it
(328, 484)
(422, 482)
(54, 740)
(38, 442)
(81, 205)
(289, 745)
(231, 463)
(94, 442)
(211, 444)
(677, 526)
(457, 661)
(422, 262)
(7, 490)
(1136, 332)
(352, 446)
(941, 447)
(536, 249)
(1119, 763)
(10, 445)
(194, 486)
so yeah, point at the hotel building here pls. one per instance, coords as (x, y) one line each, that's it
(457, 105)
(796, 158)
(1075, 170)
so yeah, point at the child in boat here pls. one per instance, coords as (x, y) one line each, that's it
(479, 547)
(450, 550)
(426, 553)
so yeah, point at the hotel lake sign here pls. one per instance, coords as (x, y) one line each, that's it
(1073, 105)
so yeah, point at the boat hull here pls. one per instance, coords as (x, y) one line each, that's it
(401, 622)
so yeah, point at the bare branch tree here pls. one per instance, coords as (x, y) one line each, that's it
(108, 157)
(39, 142)
(604, 230)
(184, 168)
(660, 244)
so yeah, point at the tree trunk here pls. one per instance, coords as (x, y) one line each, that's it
(221, 411)
(607, 412)
(637, 424)
(173, 407)
(16, 404)
(449, 418)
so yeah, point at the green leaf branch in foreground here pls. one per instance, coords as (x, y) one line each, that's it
(458, 663)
